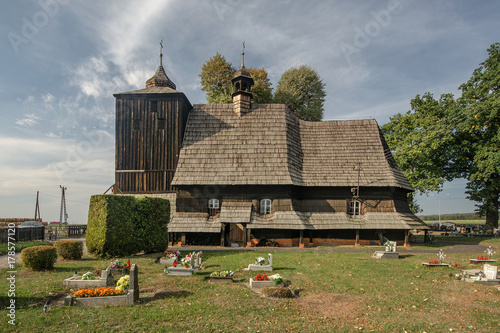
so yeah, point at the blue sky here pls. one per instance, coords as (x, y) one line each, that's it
(61, 61)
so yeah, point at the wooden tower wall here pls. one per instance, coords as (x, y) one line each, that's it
(149, 133)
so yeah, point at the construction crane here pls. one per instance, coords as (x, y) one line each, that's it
(63, 206)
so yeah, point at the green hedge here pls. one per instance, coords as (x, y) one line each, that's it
(121, 225)
(39, 257)
(69, 249)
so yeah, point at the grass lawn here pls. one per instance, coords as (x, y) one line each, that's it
(338, 292)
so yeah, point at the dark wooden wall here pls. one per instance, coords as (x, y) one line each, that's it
(149, 133)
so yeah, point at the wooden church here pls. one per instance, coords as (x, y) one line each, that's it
(242, 173)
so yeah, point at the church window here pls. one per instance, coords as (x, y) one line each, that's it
(213, 207)
(265, 206)
(153, 106)
(354, 207)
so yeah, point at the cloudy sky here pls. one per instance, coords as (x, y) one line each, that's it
(61, 61)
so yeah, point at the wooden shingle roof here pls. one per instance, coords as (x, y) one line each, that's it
(270, 146)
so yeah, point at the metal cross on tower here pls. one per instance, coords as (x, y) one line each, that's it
(63, 206)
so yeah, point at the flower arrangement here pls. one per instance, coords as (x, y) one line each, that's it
(222, 274)
(276, 278)
(186, 261)
(482, 258)
(88, 276)
(117, 264)
(123, 283)
(171, 254)
(96, 292)
(434, 262)
(260, 261)
(261, 277)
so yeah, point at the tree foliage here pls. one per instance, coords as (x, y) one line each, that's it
(303, 91)
(300, 88)
(479, 120)
(440, 140)
(217, 73)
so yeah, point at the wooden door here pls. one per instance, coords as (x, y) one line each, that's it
(236, 234)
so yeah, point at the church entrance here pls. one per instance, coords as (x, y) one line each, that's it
(236, 234)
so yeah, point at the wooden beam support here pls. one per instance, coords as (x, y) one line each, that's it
(357, 238)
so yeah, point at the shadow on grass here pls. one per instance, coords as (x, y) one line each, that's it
(284, 269)
(164, 295)
(404, 256)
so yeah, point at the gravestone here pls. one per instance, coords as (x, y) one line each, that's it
(133, 294)
(389, 253)
(266, 267)
(490, 272)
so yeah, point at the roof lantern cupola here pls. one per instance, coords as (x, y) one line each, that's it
(160, 79)
(242, 82)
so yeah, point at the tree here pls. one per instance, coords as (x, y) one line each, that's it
(448, 139)
(217, 73)
(422, 144)
(479, 121)
(261, 90)
(303, 91)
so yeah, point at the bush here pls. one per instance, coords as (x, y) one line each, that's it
(121, 225)
(69, 249)
(39, 257)
(110, 226)
(151, 223)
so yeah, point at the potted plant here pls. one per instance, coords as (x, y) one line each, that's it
(186, 261)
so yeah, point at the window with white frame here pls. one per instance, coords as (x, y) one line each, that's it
(213, 207)
(265, 206)
(354, 207)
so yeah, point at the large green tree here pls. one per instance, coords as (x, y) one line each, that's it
(439, 140)
(216, 75)
(303, 91)
(479, 122)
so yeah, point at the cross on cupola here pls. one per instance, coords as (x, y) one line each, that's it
(242, 83)
(160, 79)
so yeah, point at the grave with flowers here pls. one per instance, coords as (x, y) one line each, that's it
(126, 292)
(260, 264)
(119, 268)
(221, 277)
(391, 251)
(90, 279)
(169, 257)
(190, 263)
(484, 259)
(261, 281)
(435, 263)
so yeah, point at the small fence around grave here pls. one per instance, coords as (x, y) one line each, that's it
(42, 233)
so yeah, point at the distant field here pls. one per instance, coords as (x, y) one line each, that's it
(459, 221)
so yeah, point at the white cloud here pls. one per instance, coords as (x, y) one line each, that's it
(28, 120)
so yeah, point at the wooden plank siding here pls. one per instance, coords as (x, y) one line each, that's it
(148, 141)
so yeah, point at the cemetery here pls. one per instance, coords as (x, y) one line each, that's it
(314, 288)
